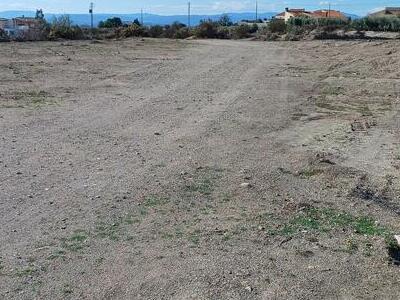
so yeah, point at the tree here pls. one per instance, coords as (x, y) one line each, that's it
(225, 20)
(111, 23)
(207, 29)
(39, 14)
(136, 21)
(62, 27)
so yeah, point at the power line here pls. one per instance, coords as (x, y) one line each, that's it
(329, 10)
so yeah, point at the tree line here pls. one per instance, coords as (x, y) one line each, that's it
(63, 28)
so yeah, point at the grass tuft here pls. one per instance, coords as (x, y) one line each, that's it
(77, 241)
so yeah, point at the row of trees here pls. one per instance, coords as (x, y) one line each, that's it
(223, 28)
(389, 23)
(63, 28)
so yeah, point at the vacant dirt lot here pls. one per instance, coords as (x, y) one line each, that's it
(154, 169)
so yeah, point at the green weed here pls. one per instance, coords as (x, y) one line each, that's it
(325, 220)
(77, 241)
(57, 254)
(204, 186)
(332, 90)
(155, 201)
(205, 182)
(310, 173)
(351, 246)
(194, 237)
(108, 230)
(28, 271)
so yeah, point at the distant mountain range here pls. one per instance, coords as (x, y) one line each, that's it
(148, 19)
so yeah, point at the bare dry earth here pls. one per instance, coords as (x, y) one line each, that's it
(154, 169)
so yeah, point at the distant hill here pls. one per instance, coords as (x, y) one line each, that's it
(352, 16)
(16, 13)
(149, 19)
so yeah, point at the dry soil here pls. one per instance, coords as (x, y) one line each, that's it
(157, 169)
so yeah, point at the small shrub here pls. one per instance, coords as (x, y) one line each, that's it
(133, 30)
(223, 32)
(391, 23)
(182, 33)
(295, 33)
(175, 30)
(207, 29)
(62, 28)
(254, 28)
(156, 31)
(309, 24)
(242, 31)
(3, 36)
(277, 26)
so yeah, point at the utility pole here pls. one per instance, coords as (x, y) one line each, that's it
(189, 15)
(91, 17)
(329, 10)
(256, 11)
(141, 16)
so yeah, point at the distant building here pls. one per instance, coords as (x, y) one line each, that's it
(388, 11)
(292, 13)
(325, 14)
(301, 12)
(19, 26)
(3, 23)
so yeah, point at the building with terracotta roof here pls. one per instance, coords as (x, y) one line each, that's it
(301, 12)
(325, 13)
(292, 13)
(388, 11)
(19, 26)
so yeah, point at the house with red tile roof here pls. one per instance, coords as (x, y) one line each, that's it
(292, 13)
(388, 11)
(19, 26)
(301, 12)
(325, 14)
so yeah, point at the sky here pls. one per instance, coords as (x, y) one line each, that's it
(173, 7)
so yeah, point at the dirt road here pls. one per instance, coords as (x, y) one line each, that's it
(154, 169)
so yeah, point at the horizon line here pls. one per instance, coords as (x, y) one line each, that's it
(149, 13)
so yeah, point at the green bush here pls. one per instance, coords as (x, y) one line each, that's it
(62, 28)
(377, 24)
(182, 33)
(175, 31)
(3, 36)
(223, 32)
(242, 31)
(314, 23)
(111, 23)
(254, 28)
(155, 31)
(277, 26)
(225, 21)
(133, 30)
(207, 29)
(136, 21)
